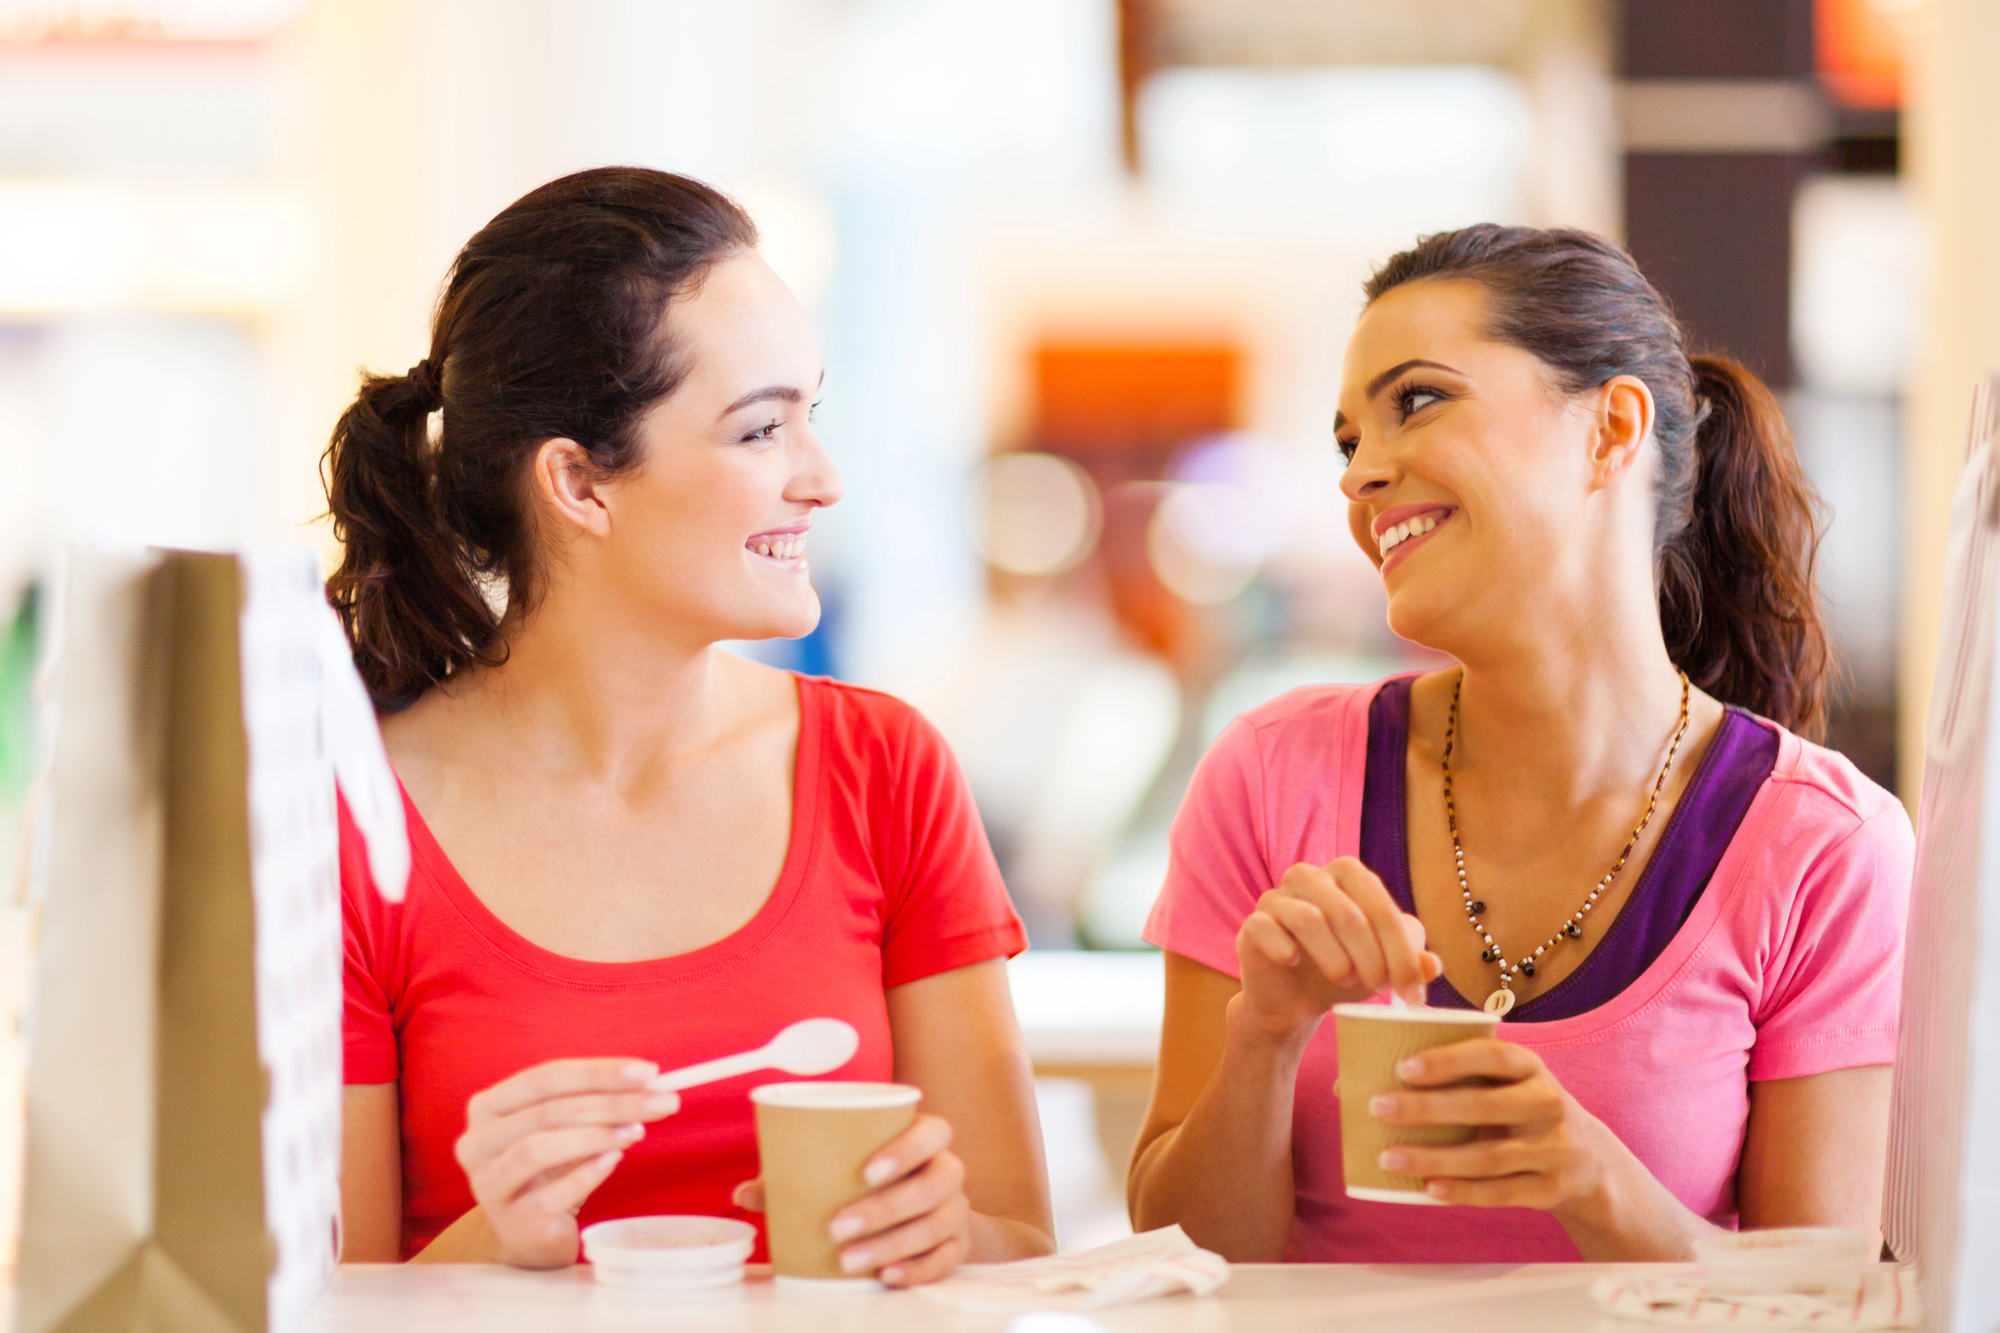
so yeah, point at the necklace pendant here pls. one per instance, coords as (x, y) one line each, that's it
(1500, 1001)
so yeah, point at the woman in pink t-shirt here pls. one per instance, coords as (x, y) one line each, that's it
(633, 850)
(1600, 824)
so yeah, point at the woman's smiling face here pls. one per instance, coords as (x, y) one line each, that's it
(1470, 476)
(710, 532)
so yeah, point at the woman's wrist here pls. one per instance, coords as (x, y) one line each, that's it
(1625, 1214)
(1256, 1036)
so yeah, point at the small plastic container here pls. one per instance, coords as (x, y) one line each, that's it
(1804, 1261)
(669, 1253)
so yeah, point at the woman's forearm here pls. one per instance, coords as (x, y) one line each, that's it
(994, 1239)
(1630, 1217)
(469, 1240)
(1224, 1174)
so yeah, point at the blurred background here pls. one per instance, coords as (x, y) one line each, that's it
(1082, 271)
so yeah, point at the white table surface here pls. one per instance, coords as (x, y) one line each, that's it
(1268, 1298)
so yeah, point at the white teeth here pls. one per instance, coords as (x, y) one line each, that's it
(1402, 532)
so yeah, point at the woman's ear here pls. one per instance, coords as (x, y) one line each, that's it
(1624, 411)
(567, 481)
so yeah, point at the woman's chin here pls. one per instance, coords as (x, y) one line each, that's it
(1415, 618)
(792, 621)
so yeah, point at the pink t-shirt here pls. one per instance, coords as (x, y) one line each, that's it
(1789, 965)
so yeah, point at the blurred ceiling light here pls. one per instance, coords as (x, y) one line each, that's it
(1356, 153)
(1263, 476)
(1202, 542)
(1857, 279)
(69, 246)
(796, 233)
(1035, 513)
(1232, 501)
(1347, 32)
(146, 20)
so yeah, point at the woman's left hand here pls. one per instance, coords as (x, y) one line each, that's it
(1536, 1147)
(915, 1227)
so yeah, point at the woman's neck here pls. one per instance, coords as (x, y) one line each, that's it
(1574, 710)
(608, 696)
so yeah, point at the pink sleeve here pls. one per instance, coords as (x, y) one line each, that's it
(1832, 994)
(947, 905)
(368, 1033)
(1217, 866)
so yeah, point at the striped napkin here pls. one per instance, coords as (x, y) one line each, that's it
(1887, 1299)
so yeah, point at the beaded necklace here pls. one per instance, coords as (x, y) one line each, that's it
(1502, 999)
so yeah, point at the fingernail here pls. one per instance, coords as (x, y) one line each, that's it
(659, 1104)
(1436, 1189)
(1415, 995)
(640, 1070)
(631, 1133)
(855, 1261)
(609, 1159)
(1392, 1160)
(846, 1228)
(1381, 1106)
(879, 1172)
(892, 1275)
(1411, 1068)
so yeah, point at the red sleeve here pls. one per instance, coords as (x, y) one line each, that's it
(947, 905)
(368, 1033)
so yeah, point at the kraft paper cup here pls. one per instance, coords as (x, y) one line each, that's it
(1373, 1039)
(813, 1139)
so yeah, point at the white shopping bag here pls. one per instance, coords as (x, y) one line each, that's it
(184, 1045)
(1943, 1202)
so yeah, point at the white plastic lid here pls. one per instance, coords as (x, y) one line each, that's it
(1414, 1013)
(836, 1096)
(669, 1243)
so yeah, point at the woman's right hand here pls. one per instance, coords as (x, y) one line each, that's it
(1327, 935)
(535, 1146)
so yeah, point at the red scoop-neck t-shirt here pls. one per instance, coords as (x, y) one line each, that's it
(888, 879)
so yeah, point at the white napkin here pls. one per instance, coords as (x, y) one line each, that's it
(1888, 1299)
(1154, 1263)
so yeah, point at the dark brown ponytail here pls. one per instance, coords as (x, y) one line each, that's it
(549, 328)
(1737, 600)
(1737, 522)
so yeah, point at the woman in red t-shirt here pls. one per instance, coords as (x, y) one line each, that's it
(632, 850)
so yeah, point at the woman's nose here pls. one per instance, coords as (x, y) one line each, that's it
(1367, 473)
(817, 481)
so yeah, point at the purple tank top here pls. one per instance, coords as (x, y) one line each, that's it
(1737, 763)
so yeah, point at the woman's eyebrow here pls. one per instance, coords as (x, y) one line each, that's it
(776, 393)
(1377, 384)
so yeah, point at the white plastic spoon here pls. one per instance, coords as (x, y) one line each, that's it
(811, 1046)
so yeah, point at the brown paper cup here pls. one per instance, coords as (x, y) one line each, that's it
(1373, 1039)
(813, 1139)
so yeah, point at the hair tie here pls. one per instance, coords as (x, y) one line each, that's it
(423, 379)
